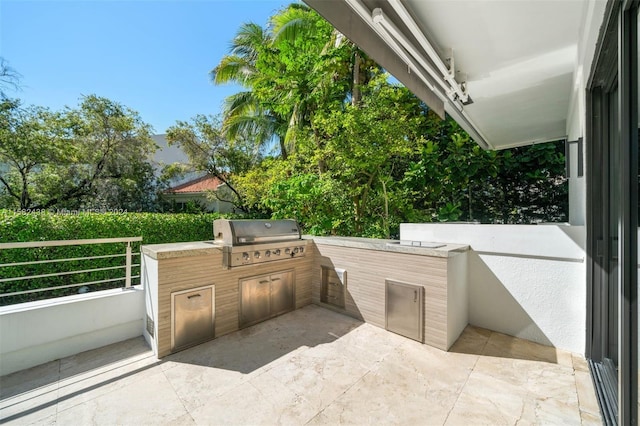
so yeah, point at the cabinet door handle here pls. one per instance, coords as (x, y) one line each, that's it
(415, 296)
(263, 282)
(275, 279)
(194, 295)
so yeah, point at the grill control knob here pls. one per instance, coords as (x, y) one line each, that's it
(301, 249)
(267, 253)
(296, 250)
(256, 255)
(245, 256)
(287, 251)
(277, 252)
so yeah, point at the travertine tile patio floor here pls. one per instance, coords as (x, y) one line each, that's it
(311, 366)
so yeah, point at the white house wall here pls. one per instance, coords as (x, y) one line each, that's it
(576, 118)
(527, 281)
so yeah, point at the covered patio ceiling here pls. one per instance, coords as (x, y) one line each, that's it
(514, 60)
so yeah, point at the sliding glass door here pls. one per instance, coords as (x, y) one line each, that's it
(612, 215)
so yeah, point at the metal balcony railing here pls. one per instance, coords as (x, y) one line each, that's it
(36, 275)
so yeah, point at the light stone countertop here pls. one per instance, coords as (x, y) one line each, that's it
(173, 250)
(199, 248)
(446, 250)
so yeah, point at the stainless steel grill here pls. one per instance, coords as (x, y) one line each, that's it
(249, 242)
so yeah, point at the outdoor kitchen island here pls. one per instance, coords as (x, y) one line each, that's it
(413, 288)
(170, 270)
(366, 272)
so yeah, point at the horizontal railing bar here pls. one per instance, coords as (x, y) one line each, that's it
(58, 274)
(39, 262)
(59, 243)
(71, 259)
(38, 290)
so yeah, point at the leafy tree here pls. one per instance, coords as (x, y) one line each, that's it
(455, 180)
(367, 144)
(290, 71)
(30, 139)
(77, 158)
(208, 151)
(244, 115)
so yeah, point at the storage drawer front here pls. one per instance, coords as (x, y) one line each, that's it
(193, 317)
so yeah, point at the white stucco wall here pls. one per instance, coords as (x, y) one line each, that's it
(457, 297)
(149, 279)
(38, 332)
(527, 281)
(592, 18)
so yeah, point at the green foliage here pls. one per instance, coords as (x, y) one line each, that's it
(208, 150)
(89, 157)
(359, 155)
(319, 203)
(291, 69)
(154, 228)
(364, 148)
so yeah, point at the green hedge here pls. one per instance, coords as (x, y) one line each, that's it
(45, 226)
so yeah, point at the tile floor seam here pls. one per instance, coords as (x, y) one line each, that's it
(336, 398)
(462, 387)
(58, 388)
(484, 346)
(582, 420)
(164, 373)
(580, 406)
(486, 343)
(575, 383)
(267, 399)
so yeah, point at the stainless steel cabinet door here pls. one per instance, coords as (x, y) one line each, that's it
(193, 317)
(282, 293)
(404, 307)
(254, 306)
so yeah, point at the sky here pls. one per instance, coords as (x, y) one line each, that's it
(151, 56)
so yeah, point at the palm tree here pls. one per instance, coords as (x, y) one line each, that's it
(298, 21)
(290, 70)
(244, 115)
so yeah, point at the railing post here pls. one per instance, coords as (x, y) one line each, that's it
(127, 279)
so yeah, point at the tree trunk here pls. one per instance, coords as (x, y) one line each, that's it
(357, 216)
(322, 164)
(469, 199)
(356, 93)
(283, 149)
(385, 218)
(25, 200)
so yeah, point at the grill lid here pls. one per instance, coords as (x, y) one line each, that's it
(235, 232)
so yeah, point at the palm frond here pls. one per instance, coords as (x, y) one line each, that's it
(292, 29)
(248, 41)
(232, 69)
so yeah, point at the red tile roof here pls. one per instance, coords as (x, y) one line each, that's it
(202, 184)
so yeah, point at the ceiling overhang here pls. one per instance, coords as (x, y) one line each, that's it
(514, 59)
